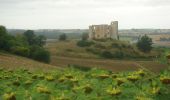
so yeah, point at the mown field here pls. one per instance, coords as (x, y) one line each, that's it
(87, 84)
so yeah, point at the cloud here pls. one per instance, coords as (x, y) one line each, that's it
(93, 2)
(81, 13)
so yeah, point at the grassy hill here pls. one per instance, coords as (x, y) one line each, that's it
(116, 49)
(66, 53)
(9, 61)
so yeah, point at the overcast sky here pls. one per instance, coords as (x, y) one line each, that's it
(63, 14)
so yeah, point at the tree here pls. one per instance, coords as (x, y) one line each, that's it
(32, 39)
(27, 45)
(30, 36)
(62, 37)
(3, 31)
(40, 40)
(85, 36)
(6, 40)
(145, 44)
(40, 54)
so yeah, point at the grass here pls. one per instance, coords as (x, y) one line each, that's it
(65, 53)
(70, 49)
(9, 61)
(75, 84)
(113, 65)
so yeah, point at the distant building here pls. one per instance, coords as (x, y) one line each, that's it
(104, 31)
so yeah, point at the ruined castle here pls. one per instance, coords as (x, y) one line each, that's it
(104, 31)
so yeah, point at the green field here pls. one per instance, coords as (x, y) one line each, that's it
(87, 84)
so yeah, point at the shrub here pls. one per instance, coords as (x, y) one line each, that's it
(83, 43)
(100, 46)
(115, 45)
(40, 54)
(93, 50)
(144, 44)
(6, 42)
(118, 54)
(107, 54)
(85, 36)
(22, 51)
(101, 40)
(62, 37)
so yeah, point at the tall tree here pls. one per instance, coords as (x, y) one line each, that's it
(6, 41)
(30, 36)
(145, 44)
(3, 31)
(40, 40)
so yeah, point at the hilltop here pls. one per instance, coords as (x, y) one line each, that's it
(99, 49)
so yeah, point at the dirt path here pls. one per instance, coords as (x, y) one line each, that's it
(114, 65)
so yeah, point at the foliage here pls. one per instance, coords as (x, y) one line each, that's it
(85, 36)
(3, 31)
(6, 41)
(40, 54)
(62, 37)
(74, 84)
(32, 39)
(21, 50)
(144, 44)
(83, 43)
(107, 54)
(27, 45)
(40, 40)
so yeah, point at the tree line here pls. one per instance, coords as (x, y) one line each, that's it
(27, 44)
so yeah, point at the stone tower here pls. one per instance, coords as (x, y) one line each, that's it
(114, 29)
(104, 31)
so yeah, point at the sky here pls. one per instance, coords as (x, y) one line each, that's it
(79, 14)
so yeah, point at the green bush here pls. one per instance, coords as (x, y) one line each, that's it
(93, 50)
(40, 54)
(22, 51)
(83, 43)
(144, 44)
(100, 46)
(62, 37)
(115, 45)
(85, 36)
(118, 54)
(102, 40)
(107, 54)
